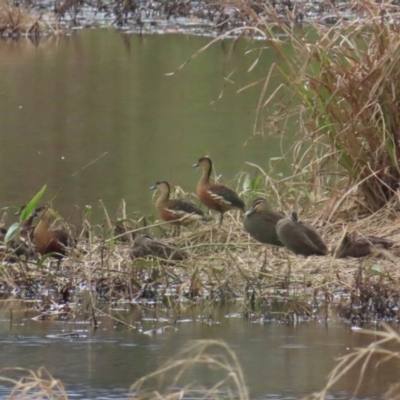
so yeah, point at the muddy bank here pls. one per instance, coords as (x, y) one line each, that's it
(34, 18)
(218, 265)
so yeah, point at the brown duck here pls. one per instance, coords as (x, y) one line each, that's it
(260, 222)
(145, 246)
(361, 246)
(300, 238)
(176, 211)
(215, 196)
(47, 238)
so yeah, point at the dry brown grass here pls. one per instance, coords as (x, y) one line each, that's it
(170, 381)
(224, 264)
(19, 20)
(341, 86)
(382, 350)
(32, 385)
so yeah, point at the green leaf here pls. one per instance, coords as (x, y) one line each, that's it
(143, 263)
(376, 270)
(44, 258)
(246, 182)
(218, 271)
(12, 232)
(88, 211)
(111, 240)
(27, 211)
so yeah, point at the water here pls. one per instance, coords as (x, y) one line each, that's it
(72, 99)
(279, 361)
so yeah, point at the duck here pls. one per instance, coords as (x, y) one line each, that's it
(145, 246)
(47, 238)
(300, 238)
(216, 196)
(260, 222)
(357, 247)
(176, 211)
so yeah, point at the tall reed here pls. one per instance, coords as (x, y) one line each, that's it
(342, 84)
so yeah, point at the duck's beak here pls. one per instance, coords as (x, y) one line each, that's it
(154, 187)
(249, 212)
(195, 165)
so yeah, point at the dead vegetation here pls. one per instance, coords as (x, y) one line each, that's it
(213, 355)
(346, 152)
(341, 84)
(36, 17)
(17, 19)
(223, 265)
(170, 381)
(382, 350)
(32, 385)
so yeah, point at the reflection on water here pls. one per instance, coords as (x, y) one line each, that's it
(72, 99)
(279, 360)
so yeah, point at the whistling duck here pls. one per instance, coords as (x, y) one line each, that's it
(145, 246)
(48, 239)
(260, 222)
(214, 195)
(177, 211)
(299, 237)
(357, 247)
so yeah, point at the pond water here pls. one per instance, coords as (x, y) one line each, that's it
(280, 361)
(70, 100)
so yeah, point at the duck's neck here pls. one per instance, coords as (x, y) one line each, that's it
(163, 198)
(205, 178)
(45, 220)
(264, 207)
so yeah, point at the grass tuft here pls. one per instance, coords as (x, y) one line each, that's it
(17, 19)
(32, 385)
(170, 380)
(341, 85)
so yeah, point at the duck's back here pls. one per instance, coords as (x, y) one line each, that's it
(314, 236)
(300, 238)
(262, 227)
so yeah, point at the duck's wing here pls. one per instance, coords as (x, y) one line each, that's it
(225, 196)
(184, 208)
(314, 239)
